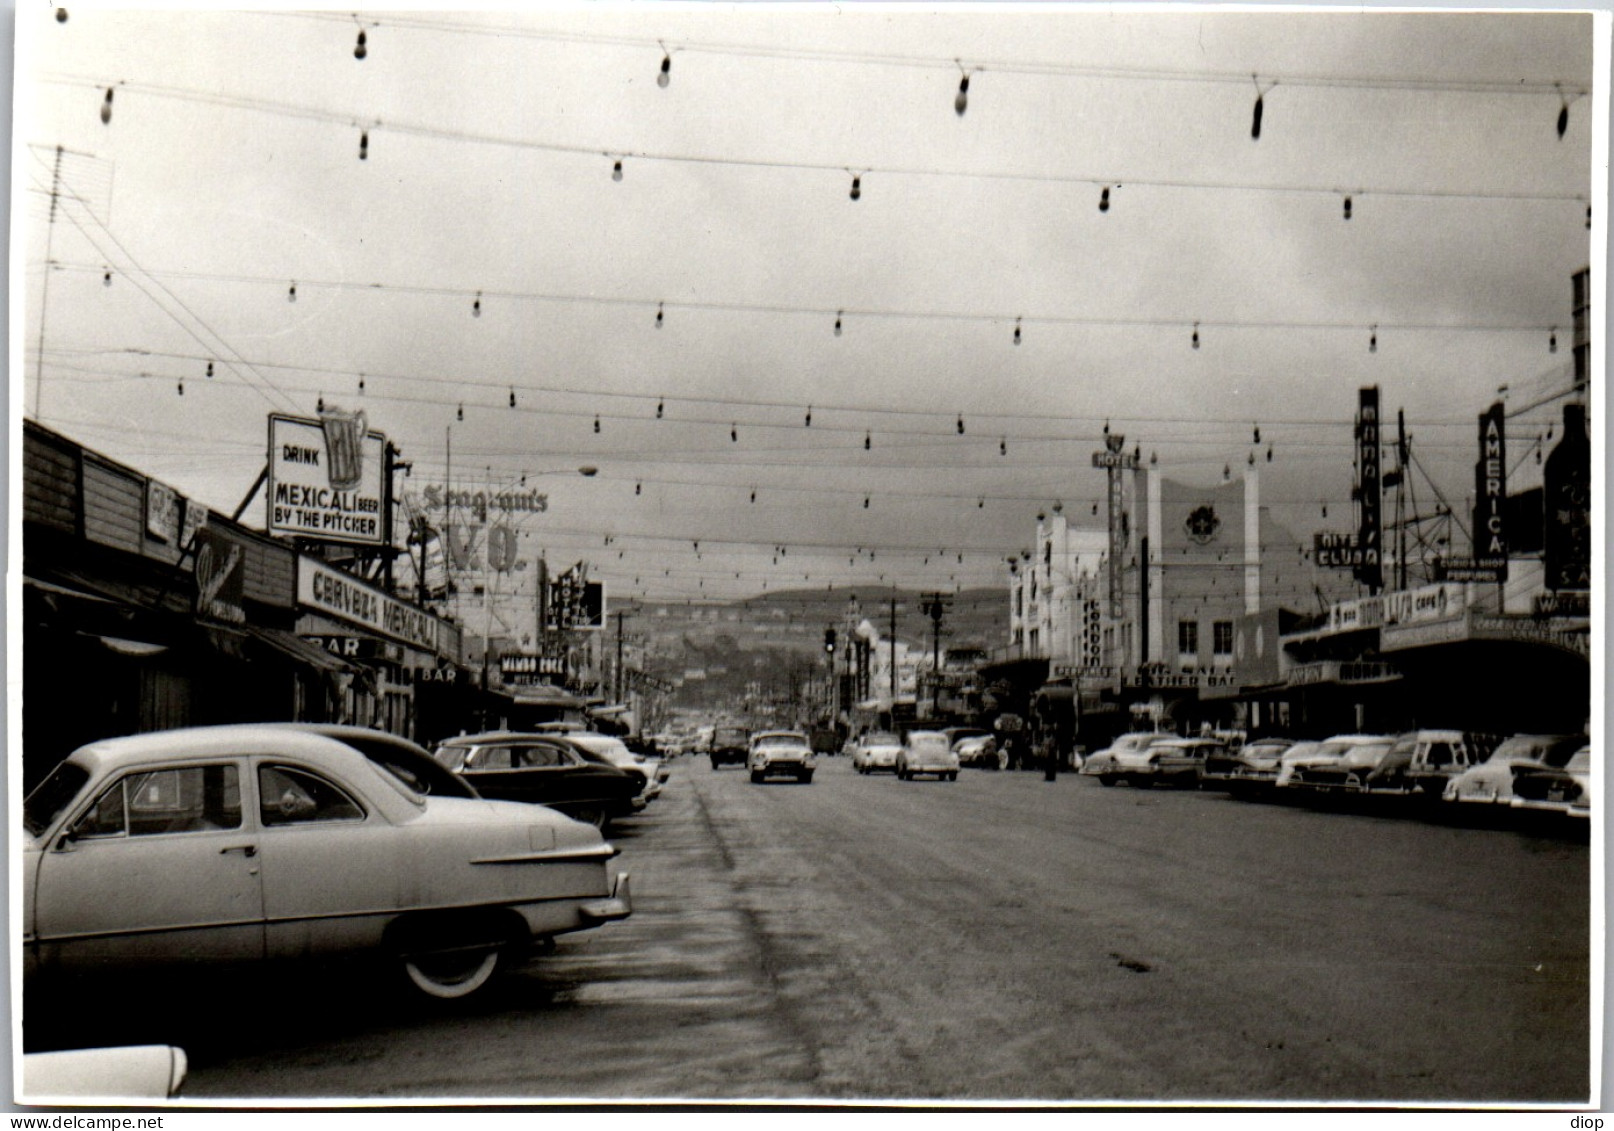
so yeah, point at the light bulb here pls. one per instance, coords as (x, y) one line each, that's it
(1016, 331)
(962, 101)
(838, 323)
(960, 424)
(359, 48)
(658, 315)
(61, 15)
(1104, 200)
(865, 502)
(1373, 340)
(638, 488)
(361, 382)
(809, 421)
(476, 306)
(1269, 453)
(1257, 433)
(512, 398)
(1563, 119)
(734, 434)
(106, 279)
(665, 76)
(1003, 445)
(1196, 335)
(857, 187)
(661, 407)
(182, 386)
(106, 107)
(1552, 342)
(868, 439)
(210, 369)
(1347, 208)
(291, 295)
(616, 171)
(460, 414)
(1255, 121)
(596, 423)
(364, 145)
(320, 406)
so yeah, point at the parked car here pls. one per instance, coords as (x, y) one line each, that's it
(543, 770)
(1165, 761)
(614, 752)
(981, 751)
(1491, 782)
(1302, 751)
(1336, 761)
(216, 844)
(876, 750)
(730, 746)
(1566, 790)
(129, 1073)
(1102, 764)
(1342, 764)
(1246, 768)
(776, 753)
(1420, 762)
(927, 752)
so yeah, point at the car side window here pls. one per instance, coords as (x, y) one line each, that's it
(544, 757)
(1440, 754)
(192, 799)
(288, 796)
(493, 758)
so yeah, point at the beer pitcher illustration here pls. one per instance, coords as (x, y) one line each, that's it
(344, 447)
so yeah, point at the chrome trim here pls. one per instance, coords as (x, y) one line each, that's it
(556, 856)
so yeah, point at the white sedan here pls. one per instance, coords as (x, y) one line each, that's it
(876, 750)
(927, 752)
(251, 842)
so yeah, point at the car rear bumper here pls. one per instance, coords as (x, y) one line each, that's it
(617, 905)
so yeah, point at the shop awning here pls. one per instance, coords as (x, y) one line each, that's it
(543, 695)
(296, 648)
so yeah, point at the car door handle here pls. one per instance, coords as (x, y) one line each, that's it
(248, 850)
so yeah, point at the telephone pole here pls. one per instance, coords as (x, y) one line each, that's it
(935, 606)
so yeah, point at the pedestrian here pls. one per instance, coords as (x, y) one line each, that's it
(1050, 756)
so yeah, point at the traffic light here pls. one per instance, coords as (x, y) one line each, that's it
(829, 641)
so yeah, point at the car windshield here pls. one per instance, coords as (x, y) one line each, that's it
(729, 736)
(927, 742)
(419, 773)
(780, 740)
(453, 754)
(1369, 753)
(1581, 763)
(881, 738)
(51, 796)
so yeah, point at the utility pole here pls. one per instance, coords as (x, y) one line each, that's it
(619, 615)
(44, 291)
(893, 647)
(935, 606)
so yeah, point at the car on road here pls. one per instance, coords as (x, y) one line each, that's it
(1245, 769)
(876, 750)
(1102, 764)
(781, 753)
(544, 770)
(1166, 761)
(251, 842)
(729, 746)
(1566, 790)
(982, 751)
(1339, 764)
(927, 752)
(1491, 782)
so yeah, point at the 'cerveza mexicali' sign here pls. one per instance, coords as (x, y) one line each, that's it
(336, 594)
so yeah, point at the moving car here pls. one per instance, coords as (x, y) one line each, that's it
(781, 753)
(876, 750)
(1491, 782)
(927, 752)
(981, 750)
(729, 746)
(1567, 790)
(1165, 761)
(543, 770)
(216, 844)
(1103, 764)
(1245, 769)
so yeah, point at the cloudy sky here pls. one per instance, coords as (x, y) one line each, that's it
(447, 211)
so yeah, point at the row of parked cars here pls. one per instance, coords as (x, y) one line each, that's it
(1549, 773)
(216, 844)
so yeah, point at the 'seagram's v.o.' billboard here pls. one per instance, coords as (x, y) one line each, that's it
(327, 478)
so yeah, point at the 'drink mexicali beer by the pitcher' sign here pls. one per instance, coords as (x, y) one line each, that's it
(326, 478)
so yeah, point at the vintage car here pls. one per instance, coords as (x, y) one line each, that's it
(730, 746)
(253, 842)
(781, 753)
(1567, 790)
(1491, 782)
(982, 751)
(1102, 764)
(927, 752)
(128, 1073)
(544, 770)
(1165, 761)
(876, 750)
(1337, 761)
(1245, 769)
(615, 752)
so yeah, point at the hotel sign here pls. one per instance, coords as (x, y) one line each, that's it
(1370, 488)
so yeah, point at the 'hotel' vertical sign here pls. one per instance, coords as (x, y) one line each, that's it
(1370, 571)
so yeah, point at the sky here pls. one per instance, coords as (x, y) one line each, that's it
(781, 385)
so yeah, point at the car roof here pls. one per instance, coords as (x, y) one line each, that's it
(780, 734)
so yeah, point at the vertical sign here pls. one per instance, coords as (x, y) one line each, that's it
(1567, 482)
(1115, 461)
(1491, 493)
(1370, 571)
